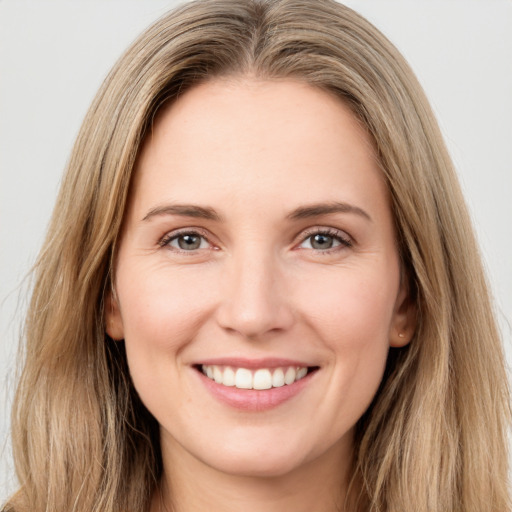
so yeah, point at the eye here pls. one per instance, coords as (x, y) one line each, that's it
(324, 240)
(187, 241)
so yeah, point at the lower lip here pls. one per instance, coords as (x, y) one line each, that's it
(254, 399)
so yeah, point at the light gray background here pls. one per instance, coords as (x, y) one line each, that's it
(54, 55)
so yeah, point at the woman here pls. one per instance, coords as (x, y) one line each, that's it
(260, 288)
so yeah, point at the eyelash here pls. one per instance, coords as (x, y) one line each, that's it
(343, 239)
(169, 237)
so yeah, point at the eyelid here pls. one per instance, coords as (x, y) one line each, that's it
(344, 238)
(171, 235)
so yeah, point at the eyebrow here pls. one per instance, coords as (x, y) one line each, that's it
(303, 212)
(183, 210)
(316, 210)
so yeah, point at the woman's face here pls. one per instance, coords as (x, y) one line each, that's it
(258, 251)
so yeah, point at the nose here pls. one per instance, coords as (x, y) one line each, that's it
(254, 301)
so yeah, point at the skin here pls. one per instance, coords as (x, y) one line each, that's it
(254, 151)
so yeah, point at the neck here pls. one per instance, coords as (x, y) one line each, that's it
(189, 485)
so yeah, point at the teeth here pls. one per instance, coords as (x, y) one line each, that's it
(263, 378)
(243, 379)
(278, 378)
(228, 377)
(289, 376)
(301, 373)
(217, 375)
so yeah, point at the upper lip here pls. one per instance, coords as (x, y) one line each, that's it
(241, 362)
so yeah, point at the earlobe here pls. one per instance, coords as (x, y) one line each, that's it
(113, 320)
(399, 339)
(404, 319)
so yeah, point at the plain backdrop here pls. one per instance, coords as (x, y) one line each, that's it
(54, 55)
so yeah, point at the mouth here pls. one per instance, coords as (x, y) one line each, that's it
(255, 385)
(255, 378)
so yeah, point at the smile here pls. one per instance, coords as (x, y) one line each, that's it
(259, 379)
(255, 385)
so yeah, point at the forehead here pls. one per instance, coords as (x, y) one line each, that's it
(224, 106)
(247, 137)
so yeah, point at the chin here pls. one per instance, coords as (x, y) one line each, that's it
(246, 458)
(257, 466)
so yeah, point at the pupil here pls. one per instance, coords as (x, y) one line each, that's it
(189, 242)
(322, 242)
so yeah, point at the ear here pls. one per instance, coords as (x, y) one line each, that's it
(403, 323)
(113, 319)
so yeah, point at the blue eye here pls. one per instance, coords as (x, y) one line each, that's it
(186, 242)
(325, 240)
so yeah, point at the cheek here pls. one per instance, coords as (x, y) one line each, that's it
(352, 313)
(158, 304)
(353, 307)
(352, 317)
(161, 314)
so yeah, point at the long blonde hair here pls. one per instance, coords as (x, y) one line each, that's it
(435, 436)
